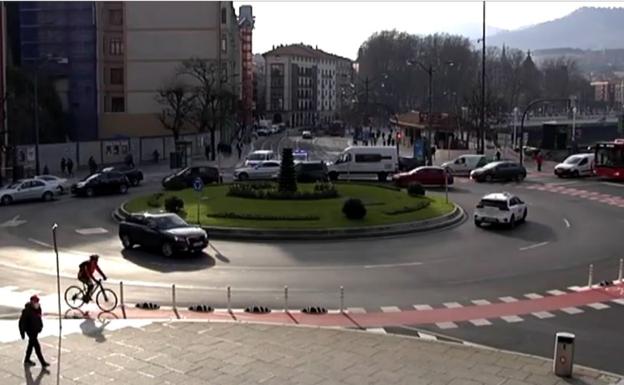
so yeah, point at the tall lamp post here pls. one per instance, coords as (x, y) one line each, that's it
(38, 66)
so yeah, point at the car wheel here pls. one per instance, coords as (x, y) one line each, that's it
(333, 176)
(167, 249)
(488, 178)
(123, 188)
(6, 200)
(126, 241)
(134, 182)
(61, 190)
(47, 196)
(575, 174)
(524, 215)
(477, 223)
(512, 222)
(519, 178)
(382, 176)
(90, 192)
(243, 176)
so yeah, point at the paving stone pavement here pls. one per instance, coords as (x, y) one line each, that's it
(192, 353)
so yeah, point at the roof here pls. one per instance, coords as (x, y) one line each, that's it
(499, 196)
(262, 152)
(303, 50)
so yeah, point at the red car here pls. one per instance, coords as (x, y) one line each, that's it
(426, 175)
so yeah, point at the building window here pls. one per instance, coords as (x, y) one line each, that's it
(116, 76)
(223, 16)
(115, 17)
(118, 104)
(115, 47)
(223, 44)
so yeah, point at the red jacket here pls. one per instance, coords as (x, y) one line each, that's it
(88, 268)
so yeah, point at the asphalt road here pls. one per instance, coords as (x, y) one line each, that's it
(563, 235)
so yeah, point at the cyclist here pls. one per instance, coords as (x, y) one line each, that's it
(85, 274)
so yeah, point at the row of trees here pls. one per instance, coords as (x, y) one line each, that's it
(393, 71)
(197, 97)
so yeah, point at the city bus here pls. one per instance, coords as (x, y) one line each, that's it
(610, 159)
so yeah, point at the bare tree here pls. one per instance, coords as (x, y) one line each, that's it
(177, 105)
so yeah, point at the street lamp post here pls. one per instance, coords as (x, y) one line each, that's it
(574, 129)
(514, 138)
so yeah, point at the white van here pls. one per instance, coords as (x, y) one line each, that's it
(259, 156)
(357, 160)
(576, 165)
(466, 163)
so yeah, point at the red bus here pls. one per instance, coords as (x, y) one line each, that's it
(610, 159)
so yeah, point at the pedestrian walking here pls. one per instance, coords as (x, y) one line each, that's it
(155, 155)
(46, 170)
(498, 155)
(31, 324)
(539, 159)
(129, 160)
(70, 167)
(239, 149)
(63, 165)
(92, 165)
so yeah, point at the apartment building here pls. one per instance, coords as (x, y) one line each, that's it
(246, 23)
(303, 85)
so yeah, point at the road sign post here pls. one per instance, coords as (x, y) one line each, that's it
(198, 185)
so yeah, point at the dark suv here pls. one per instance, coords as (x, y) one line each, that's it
(311, 171)
(101, 183)
(135, 176)
(185, 177)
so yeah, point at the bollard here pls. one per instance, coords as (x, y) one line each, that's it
(563, 360)
(591, 276)
(229, 299)
(173, 297)
(620, 269)
(342, 299)
(286, 298)
(121, 294)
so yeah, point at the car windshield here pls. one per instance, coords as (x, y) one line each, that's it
(169, 222)
(492, 165)
(256, 157)
(493, 203)
(573, 160)
(300, 156)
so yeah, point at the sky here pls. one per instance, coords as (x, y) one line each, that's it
(341, 27)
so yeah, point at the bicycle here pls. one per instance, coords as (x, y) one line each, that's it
(106, 299)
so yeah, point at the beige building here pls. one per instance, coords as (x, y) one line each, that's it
(142, 45)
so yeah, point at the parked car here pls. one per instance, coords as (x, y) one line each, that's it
(307, 134)
(259, 156)
(499, 171)
(300, 156)
(408, 164)
(365, 160)
(575, 166)
(500, 208)
(263, 132)
(101, 183)
(184, 178)
(60, 184)
(167, 233)
(311, 171)
(263, 170)
(135, 176)
(425, 175)
(27, 189)
(464, 164)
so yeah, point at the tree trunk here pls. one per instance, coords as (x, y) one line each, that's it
(213, 146)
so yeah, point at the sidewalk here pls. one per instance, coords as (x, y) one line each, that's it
(192, 353)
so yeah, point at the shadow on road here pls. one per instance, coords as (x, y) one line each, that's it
(162, 264)
(218, 255)
(528, 231)
(90, 329)
(29, 378)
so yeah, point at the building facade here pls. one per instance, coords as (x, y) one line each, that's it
(246, 25)
(259, 87)
(64, 30)
(303, 85)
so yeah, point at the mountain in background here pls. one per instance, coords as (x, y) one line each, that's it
(587, 28)
(473, 31)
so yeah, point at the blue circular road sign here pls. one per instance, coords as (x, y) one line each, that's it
(198, 184)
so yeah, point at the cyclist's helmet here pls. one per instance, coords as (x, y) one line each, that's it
(94, 257)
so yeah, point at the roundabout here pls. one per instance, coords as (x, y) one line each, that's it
(445, 268)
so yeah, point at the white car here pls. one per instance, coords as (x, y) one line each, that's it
(263, 170)
(259, 156)
(465, 163)
(575, 166)
(306, 134)
(500, 208)
(27, 189)
(300, 156)
(59, 183)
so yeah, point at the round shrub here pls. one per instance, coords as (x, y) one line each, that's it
(354, 209)
(415, 190)
(174, 204)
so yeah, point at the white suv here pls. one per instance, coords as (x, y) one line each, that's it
(500, 208)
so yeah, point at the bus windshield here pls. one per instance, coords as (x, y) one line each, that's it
(610, 156)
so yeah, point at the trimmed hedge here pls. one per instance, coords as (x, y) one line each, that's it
(415, 190)
(155, 200)
(354, 209)
(262, 217)
(174, 204)
(246, 190)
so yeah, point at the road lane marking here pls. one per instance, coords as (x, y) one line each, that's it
(480, 322)
(613, 184)
(14, 222)
(572, 310)
(598, 306)
(556, 292)
(511, 318)
(92, 231)
(390, 309)
(423, 307)
(390, 265)
(40, 243)
(452, 305)
(481, 302)
(356, 310)
(567, 223)
(376, 330)
(534, 296)
(534, 246)
(508, 299)
(446, 325)
(543, 314)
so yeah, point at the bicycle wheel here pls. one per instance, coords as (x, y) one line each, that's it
(106, 300)
(74, 297)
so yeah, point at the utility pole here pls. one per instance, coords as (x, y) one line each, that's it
(481, 146)
(429, 115)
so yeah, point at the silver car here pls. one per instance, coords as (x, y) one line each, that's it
(262, 170)
(27, 189)
(59, 183)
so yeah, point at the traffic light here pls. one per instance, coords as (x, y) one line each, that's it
(398, 135)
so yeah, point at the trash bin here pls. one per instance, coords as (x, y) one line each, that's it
(564, 354)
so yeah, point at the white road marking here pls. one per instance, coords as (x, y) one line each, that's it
(534, 246)
(356, 310)
(598, 306)
(543, 314)
(393, 265)
(480, 322)
(613, 184)
(428, 337)
(577, 288)
(508, 299)
(618, 301)
(390, 309)
(446, 325)
(534, 296)
(40, 243)
(572, 310)
(423, 307)
(481, 302)
(376, 330)
(452, 305)
(14, 222)
(511, 318)
(92, 231)
(556, 292)
(567, 223)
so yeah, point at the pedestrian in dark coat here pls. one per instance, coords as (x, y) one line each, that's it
(31, 324)
(46, 170)
(92, 165)
(70, 167)
(63, 165)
